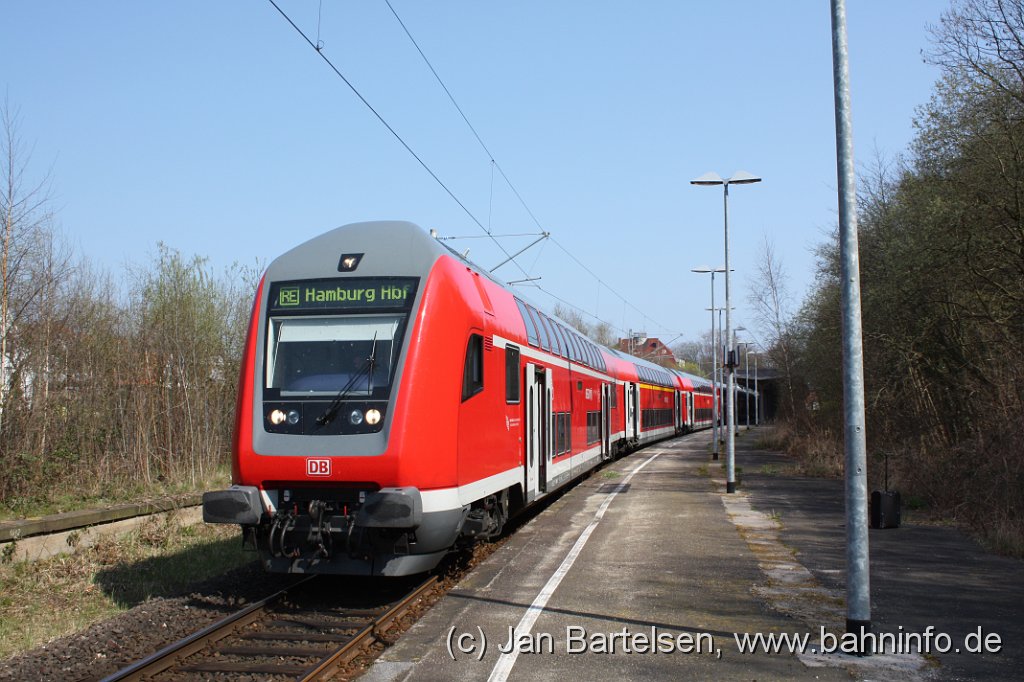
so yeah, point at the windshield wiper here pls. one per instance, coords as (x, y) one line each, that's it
(366, 368)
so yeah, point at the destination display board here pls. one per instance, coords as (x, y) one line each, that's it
(343, 294)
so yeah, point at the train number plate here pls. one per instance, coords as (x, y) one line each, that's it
(318, 467)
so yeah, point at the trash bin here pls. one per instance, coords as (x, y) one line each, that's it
(885, 509)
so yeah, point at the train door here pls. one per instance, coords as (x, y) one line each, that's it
(678, 412)
(606, 421)
(537, 430)
(691, 416)
(547, 427)
(632, 412)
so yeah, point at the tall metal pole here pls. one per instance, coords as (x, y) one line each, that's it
(757, 396)
(746, 383)
(715, 410)
(734, 354)
(720, 374)
(858, 588)
(730, 447)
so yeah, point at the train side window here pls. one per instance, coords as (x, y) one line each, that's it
(549, 326)
(563, 347)
(531, 328)
(560, 431)
(542, 331)
(567, 335)
(512, 380)
(577, 354)
(564, 431)
(473, 373)
(563, 340)
(574, 351)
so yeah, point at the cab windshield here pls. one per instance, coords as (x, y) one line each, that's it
(326, 355)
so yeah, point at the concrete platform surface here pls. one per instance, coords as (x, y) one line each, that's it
(649, 570)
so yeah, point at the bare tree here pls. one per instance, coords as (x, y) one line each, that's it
(23, 206)
(603, 334)
(986, 38)
(600, 332)
(696, 353)
(772, 303)
(574, 317)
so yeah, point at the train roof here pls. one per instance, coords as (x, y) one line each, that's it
(411, 249)
(693, 378)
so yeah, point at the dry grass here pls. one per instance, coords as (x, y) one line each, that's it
(815, 454)
(46, 599)
(98, 496)
(974, 486)
(1006, 537)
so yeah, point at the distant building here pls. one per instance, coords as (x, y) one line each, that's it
(648, 348)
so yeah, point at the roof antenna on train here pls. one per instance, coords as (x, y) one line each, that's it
(433, 233)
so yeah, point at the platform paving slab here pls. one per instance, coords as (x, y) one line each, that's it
(664, 559)
(922, 576)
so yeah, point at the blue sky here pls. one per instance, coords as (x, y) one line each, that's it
(214, 128)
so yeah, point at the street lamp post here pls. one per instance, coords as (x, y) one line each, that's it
(720, 378)
(714, 361)
(746, 381)
(757, 396)
(736, 388)
(738, 178)
(723, 345)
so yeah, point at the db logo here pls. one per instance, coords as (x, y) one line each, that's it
(318, 467)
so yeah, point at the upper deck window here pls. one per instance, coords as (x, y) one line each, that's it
(552, 334)
(545, 340)
(531, 328)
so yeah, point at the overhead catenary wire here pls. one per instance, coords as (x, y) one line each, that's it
(383, 121)
(495, 164)
(318, 48)
(600, 281)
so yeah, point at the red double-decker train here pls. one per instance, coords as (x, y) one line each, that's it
(395, 399)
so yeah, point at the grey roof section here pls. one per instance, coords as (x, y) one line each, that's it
(392, 248)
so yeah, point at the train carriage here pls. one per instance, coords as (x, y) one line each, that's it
(395, 399)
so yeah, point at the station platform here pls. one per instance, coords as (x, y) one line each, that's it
(648, 570)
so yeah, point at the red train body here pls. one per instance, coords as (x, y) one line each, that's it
(394, 399)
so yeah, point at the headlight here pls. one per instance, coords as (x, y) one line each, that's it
(277, 417)
(356, 418)
(373, 417)
(293, 417)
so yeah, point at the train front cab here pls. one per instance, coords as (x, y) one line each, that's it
(335, 475)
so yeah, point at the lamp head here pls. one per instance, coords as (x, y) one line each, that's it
(709, 178)
(742, 178)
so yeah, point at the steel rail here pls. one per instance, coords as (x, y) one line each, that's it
(172, 654)
(375, 631)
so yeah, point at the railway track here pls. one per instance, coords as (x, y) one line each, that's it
(310, 631)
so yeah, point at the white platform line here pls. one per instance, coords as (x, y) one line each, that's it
(505, 662)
